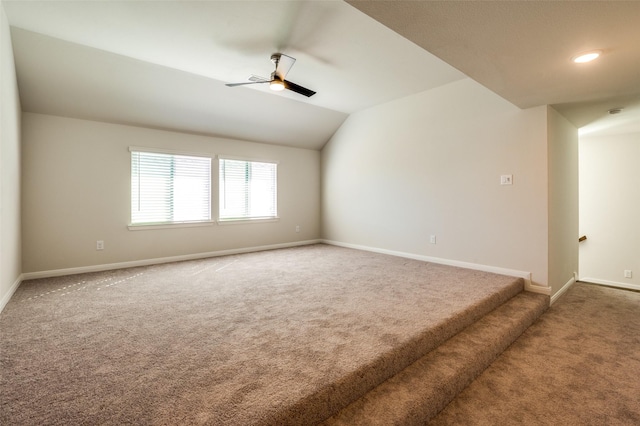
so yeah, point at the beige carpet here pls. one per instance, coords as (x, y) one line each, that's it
(279, 337)
(420, 391)
(578, 365)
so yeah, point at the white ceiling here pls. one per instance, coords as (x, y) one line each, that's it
(163, 64)
(522, 51)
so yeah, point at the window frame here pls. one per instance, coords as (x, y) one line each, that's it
(240, 220)
(174, 224)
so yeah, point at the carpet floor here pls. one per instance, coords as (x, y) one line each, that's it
(579, 364)
(265, 338)
(419, 392)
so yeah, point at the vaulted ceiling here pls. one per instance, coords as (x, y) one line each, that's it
(522, 51)
(165, 64)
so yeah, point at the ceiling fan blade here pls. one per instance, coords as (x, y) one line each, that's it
(257, 78)
(299, 89)
(248, 82)
(284, 65)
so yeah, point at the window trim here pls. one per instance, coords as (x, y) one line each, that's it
(240, 158)
(237, 221)
(171, 152)
(146, 226)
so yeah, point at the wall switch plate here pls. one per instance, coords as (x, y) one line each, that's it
(297, 228)
(506, 180)
(99, 245)
(432, 239)
(627, 273)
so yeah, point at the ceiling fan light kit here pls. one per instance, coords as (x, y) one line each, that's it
(277, 83)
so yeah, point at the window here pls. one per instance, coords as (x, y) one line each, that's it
(168, 188)
(247, 189)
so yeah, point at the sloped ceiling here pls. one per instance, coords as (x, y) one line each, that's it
(522, 51)
(66, 79)
(163, 64)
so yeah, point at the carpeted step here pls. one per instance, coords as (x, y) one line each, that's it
(328, 401)
(419, 392)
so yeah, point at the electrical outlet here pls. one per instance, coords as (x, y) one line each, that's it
(99, 245)
(297, 228)
(627, 273)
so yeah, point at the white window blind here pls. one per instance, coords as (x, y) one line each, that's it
(248, 189)
(168, 188)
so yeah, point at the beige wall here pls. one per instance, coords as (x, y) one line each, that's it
(563, 200)
(10, 250)
(610, 208)
(76, 190)
(392, 176)
(430, 164)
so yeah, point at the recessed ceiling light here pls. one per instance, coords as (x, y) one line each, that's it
(586, 56)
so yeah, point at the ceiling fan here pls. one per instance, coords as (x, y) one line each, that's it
(277, 82)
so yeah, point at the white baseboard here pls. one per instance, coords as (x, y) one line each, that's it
(5, 299)
(610, 283)
(145, 262)
(528, 285)
(536, 288)
(564, 288)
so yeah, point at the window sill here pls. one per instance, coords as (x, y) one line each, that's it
(149, 226)
(247, 220)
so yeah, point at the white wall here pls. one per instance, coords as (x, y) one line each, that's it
(430, 164)
(610, 209)
(76, 190)
(10, 250)
(563, 200)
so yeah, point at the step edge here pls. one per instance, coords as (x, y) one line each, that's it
(456, 383)
(334, 397)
